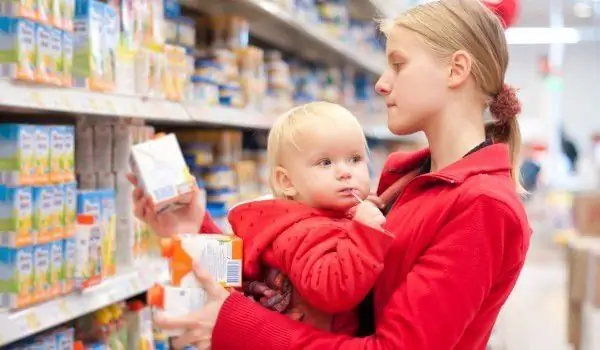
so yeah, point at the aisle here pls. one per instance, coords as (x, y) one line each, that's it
(534, 317)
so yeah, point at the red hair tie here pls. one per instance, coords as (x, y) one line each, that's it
(506, 104)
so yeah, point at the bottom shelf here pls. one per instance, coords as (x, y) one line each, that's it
(24, 323)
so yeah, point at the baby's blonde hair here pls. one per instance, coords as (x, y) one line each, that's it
(447, 26)
(288, 127)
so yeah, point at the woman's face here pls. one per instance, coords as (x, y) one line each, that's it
(414, 85)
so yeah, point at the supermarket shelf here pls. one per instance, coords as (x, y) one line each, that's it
(288, 31)
(22, 324)
(224, 116)
(78, 101)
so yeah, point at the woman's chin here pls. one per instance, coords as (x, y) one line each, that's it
(402, 128)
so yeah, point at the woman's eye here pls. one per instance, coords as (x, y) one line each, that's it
(396, 66)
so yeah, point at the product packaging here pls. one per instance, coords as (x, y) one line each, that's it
(43, 213)
(16, 277)
(42, 154)
(56, 268)
(66, 67)
(69, 260)
(17, 48)
(43, 53)
(41, 272)
(58, 212)
(16, 217)
(88, 54)
(70, 209)
(162, 172)
(17, 161)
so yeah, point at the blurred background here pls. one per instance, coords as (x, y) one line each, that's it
(84, 80)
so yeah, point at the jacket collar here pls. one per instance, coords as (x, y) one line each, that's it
(491, 159)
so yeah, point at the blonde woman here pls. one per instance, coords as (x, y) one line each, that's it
(461, 230)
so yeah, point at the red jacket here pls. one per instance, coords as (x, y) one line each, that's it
(461, 239)
(331, 261)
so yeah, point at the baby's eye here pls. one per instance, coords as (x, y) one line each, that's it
(356, 159)
(324, 162)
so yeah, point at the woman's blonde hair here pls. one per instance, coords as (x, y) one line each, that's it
(447, 26)
(288, 128)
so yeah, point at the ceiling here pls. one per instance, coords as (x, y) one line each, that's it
(536, 13)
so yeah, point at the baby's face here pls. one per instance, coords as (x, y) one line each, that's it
(329, 165)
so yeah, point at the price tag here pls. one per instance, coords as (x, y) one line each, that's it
(32, 321)
(135, 285)
(63, 308)
(94, 104)
(37, 100)
(110, 107)
(66, 103)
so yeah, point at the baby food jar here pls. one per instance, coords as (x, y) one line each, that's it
(205, 91)
(219, 177)
(227, 196)
(230, 95)
(209, 69)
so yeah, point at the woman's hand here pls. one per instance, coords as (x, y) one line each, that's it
(198, 326)
(186, 219)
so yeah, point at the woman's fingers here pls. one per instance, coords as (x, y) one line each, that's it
(212, 288)
(132, 179)
(194, 337)
(188, 321)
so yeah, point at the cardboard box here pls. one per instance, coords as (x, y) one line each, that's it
(162, 172)
(586, 213)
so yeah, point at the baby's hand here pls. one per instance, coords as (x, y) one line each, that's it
(368, 214)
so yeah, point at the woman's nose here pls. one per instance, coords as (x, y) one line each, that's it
(384, 85)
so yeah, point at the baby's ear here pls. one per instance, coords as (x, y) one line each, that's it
(283, 184)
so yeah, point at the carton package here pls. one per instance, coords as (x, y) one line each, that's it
(162, 172)
(586, 211)
(16, 210)
(17, 48)
(17, 160)
(56, 268)
(88, 52)
(41, 272)
(68, 272)
(16, 277)
(103, 140)
(44, 56)
(43, 213)
(84, 147)
(221, 255)
(42, 154)
(66, 63)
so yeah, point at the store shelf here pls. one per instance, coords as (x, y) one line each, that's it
(224, 116)
(77, 101)
(56, 100)
(289, 32)
(21, 324)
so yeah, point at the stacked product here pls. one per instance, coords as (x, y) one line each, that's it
(37, 41)
(37, 213)
(103, 150)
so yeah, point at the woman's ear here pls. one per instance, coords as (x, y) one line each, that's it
(460, 68)
(284, 183)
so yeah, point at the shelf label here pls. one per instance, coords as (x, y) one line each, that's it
(94, 104)
(66, 103)
(32, 321)
(37, 99)
(110, 106)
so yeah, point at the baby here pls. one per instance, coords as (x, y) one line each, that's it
(316, 249)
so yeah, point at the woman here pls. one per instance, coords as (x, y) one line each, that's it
(461, 231)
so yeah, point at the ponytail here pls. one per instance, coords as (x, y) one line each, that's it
(505, 107)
